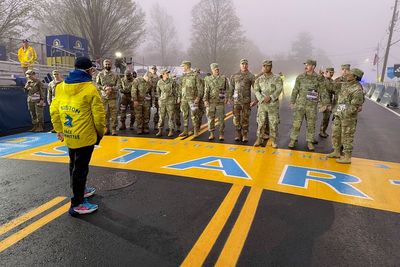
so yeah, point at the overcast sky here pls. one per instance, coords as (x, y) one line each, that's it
(348, 30)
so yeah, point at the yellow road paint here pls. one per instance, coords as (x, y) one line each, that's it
(29, 215)
(234, 245)
(206, 241)
(11, 240)
(262, 167)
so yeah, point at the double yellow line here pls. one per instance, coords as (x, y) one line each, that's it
(21, 234)
(237, 237)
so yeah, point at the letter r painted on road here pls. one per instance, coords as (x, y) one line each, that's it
(228, 166)
(340, 182)
(135, 153)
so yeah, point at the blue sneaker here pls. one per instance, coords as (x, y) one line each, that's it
(89, 191)
(84, 208)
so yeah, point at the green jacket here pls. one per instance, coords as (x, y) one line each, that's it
(216, 89)
(268, 85)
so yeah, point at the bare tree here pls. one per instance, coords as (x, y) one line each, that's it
(216, 34)
(302, 48)
(14, 17)
(162, 34)
(108, 25)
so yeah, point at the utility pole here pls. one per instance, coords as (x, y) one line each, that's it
(377, 64)
(392, 24)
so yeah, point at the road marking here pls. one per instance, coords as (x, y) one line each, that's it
(29, 215)
(204, 244)
(11, 240)
(394, 112)
(234, 245)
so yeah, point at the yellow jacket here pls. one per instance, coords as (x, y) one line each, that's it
(27, 57)
(77, 111)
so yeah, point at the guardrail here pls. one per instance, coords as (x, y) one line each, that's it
(386, 94)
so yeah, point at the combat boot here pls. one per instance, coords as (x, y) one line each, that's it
(139, 131)
(238, 135)
(323, 134)
(159, 133)
(34, 128)
(273, 143)
(195, 132)
(258, 142)
(39, 128)
(114, 132)
(123, 126)
(265, 136)
(171, 133)
(221, 137)
(310, 146)
(211, 137)
(291, 143)
(346, 159)
(184, 133)
(244, 137)
(334, 154)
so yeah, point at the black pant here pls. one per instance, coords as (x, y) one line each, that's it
(79, 159)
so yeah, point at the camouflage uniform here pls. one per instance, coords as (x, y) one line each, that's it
(153, 78)
(190, 92)
(109, 79)
(240, 93)
(265, 128)
(350, 99)
(268, 85)
(126, 102)
(331, 94)
(177, 113)
(142, 93)
(215, 93)
(167, 92)
(307, 92)
(36, 93)
(51, 91)
(202, 108)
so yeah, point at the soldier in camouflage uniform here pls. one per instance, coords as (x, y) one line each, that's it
(307, 92)
(240, 94)
(331, 94)
(177, 109)
(108, 84)
(350, 99)
(153, 77)
(142, 100)
(202, 108)
(167, 92)
(190, 94)
(51, 87)
(265, 128)
(267, 89)
(339, 81)
(126, 99)
(215, 98)
(36, 97)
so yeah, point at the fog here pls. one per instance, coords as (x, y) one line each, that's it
(347, 30)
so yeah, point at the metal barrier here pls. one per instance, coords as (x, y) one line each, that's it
(386, 94)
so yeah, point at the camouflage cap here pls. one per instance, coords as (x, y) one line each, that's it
(106, 61)
(330, 69)
(30, 72)
(163, 71)
(186, 63)
(357, 72)
(244, 61)
(345, 67)
(153, 67)
(214, 66)
(267, 63)
(311, 62)
(55, 72)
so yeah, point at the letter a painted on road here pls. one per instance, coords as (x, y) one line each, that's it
(229, 166)
(340, 182)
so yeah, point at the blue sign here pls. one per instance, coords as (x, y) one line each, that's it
(390, 72)
(23, 141)
(3, 53)
(55, 44)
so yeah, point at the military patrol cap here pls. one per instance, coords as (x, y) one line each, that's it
(330, 69)
(267, 63)
(357, 72)
(311, 62)
(153, 67)
(345, 67)
(244, 61)
(186, 63)
(214, 66)
(83, 63)
(163, 71)
(55, 72)
(30, 72)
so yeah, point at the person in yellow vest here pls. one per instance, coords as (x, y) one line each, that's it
(26, 55)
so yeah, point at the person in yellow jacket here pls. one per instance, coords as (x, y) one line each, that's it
(78, 117)
(26, 55)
